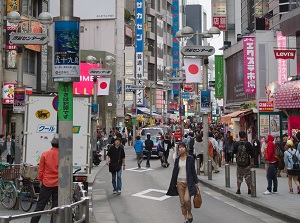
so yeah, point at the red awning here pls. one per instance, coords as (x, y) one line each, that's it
(288, 95)
(227, 118)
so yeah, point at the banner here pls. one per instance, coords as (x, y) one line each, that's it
(281, 61)
(249, 65)
(175, 49)
(219, 76)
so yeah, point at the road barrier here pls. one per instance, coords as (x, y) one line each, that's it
(253, 183)
(60, 214)
(198, 166)
(209, 163)
(227, 175)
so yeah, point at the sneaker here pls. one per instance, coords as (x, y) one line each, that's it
(238, 191)
(291, 191)
(267, 192)
(119, 192)
(114, 192)
(249, 191)
(139, 165)
(275, 192)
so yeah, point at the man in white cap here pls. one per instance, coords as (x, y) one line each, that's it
(48, 177)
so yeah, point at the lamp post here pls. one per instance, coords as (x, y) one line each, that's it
(110, 60)
(188, 32)
(14, 18)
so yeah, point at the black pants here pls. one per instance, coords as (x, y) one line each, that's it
(200, 156)
(44, 195)
(10, 159)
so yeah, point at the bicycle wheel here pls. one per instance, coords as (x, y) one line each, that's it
(26, 197)
(9, 198)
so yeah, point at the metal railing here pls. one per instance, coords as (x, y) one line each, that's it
(60, 214)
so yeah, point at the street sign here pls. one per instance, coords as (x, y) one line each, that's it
(138, 87)
(128, 88)
(197, 51)
(100, 72)
(29, 38)
(176, 80)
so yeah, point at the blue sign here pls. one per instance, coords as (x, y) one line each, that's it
(66, 49)
(95, 111)
(128, 88)
(175, 49)
(205, 101)
(186, 95)
(46, 129)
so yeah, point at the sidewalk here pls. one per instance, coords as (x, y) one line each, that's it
(283, 205)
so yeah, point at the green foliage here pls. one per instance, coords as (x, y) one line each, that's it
(127, 15)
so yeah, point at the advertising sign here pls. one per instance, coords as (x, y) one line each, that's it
(219, 76)
(266, 106)
(264, 125)
(219, 14)
(139, 43)
(19, 100)
(12, 5)
(35, 27)
(275, 125)
(160, 49)
(249, 65)
(175, 49)
(8, 92)
(281, 61)
(66, 50)
(205, 105)
(11, 49)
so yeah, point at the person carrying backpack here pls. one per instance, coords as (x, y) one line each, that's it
(291, 159)
(244, 160)
(190, 144)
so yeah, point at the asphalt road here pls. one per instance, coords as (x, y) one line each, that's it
(143, 198)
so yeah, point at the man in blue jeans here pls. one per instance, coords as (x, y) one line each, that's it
(148, 146)
(116, 158)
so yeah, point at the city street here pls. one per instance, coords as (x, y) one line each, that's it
(143, 198)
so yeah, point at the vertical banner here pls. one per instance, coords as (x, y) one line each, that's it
(10, 48)
(139, 53)
(281, 63)
(205, 105)
(19, 100)
(8, 92)
(175, 49)
(160, 49)
(219, 14)
(219, 76)
(66, 50)
(249, 65)
(65, 98)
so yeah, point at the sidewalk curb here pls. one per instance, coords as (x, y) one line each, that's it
(275, 212)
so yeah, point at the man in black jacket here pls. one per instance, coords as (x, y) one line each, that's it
(148, 146)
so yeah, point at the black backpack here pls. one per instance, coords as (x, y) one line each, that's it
(242, 157)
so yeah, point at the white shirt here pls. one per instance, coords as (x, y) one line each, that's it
(182, 170)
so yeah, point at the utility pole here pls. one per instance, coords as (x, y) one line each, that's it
(1, 54)
(205, 117)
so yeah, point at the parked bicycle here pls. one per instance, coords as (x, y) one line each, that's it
(78, 193)
(8, 191)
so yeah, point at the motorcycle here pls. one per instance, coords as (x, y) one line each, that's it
(97, 158)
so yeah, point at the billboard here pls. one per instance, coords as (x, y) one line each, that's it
(281, 63)
(97, 9)
(249, 65)
(175, 49)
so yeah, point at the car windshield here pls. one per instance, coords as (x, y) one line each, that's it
(152, 132)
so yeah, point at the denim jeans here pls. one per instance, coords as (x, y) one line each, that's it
(139, 157)
(117, 180)
(272, 177)
(148, 158)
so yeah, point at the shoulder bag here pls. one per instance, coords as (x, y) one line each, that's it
(197, 199)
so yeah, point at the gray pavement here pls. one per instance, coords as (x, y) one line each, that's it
(283, 205)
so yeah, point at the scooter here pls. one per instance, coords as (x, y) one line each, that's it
(97, 158)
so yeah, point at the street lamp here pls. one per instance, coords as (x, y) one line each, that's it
(109, 60)
(15, 20)
(188, 32)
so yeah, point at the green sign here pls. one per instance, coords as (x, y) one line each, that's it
(65, 98)
(133, 121)
(219, 76)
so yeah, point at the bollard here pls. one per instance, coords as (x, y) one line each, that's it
(227, 175)
(104, 154)
(198, 166)
(4, 219)
(68, 213)
(209, 163)
(253, 183)
(86, 209)
(59, 214)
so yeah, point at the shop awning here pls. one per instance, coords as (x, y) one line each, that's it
(227, 118)
(288, 95)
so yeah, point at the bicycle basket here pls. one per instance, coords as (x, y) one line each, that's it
(10, 173)
(30, 172)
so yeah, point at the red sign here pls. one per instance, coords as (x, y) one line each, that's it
(285, 54)
(188, 87)
(174, 105)
(220, 22)
(266, 106)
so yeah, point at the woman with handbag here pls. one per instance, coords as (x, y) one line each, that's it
(184, 181)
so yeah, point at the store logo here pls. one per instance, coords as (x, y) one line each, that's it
(42, 114)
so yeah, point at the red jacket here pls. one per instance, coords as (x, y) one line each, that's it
(48, 168)
(271, 149)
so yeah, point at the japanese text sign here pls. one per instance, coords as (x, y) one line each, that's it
(249, 65)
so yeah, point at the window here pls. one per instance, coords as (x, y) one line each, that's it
(29, 65)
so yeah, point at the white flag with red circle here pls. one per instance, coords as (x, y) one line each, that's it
(103, 86)
(193, 70)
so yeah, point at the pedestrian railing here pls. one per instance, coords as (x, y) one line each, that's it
(60, 214)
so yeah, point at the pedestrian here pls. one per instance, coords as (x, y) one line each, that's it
(48, 177)
(244, 160)
(184, 181)
(167, 145)
(9, 149)
(129, 137)
(220, 148)
(138, 147)
(292, 170)
(279, 156)
(215, 146)
(160, 150)
(210, 156)
(148, 146)
(228, 147)
(115, 159)
(270, 156)
(2, 157)
(199, 148)
(256, 151)
(124, 137)
(190, 144)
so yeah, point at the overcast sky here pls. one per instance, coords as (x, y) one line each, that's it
(218, 42)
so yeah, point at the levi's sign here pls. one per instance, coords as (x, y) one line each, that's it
(100, 72)
(198, 51)
(29, 38)
(285, 54)
(176, 80)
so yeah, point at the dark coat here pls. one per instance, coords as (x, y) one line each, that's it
(12, 147)
(191, 176)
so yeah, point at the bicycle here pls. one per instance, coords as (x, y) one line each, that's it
(78, 193)
(8, 191)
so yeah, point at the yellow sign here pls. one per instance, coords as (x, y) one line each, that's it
(76, 129)
(13, 5)
(42, 114)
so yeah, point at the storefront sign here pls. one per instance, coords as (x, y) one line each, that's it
(266, 106)
(12, 5)
(219, 14)
(175, 49)
(249, 65)
(8, 92)
(19, 100)
(219, 76)
(285, 54)
(188, 87)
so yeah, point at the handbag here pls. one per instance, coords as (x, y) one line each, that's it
(197, 199)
